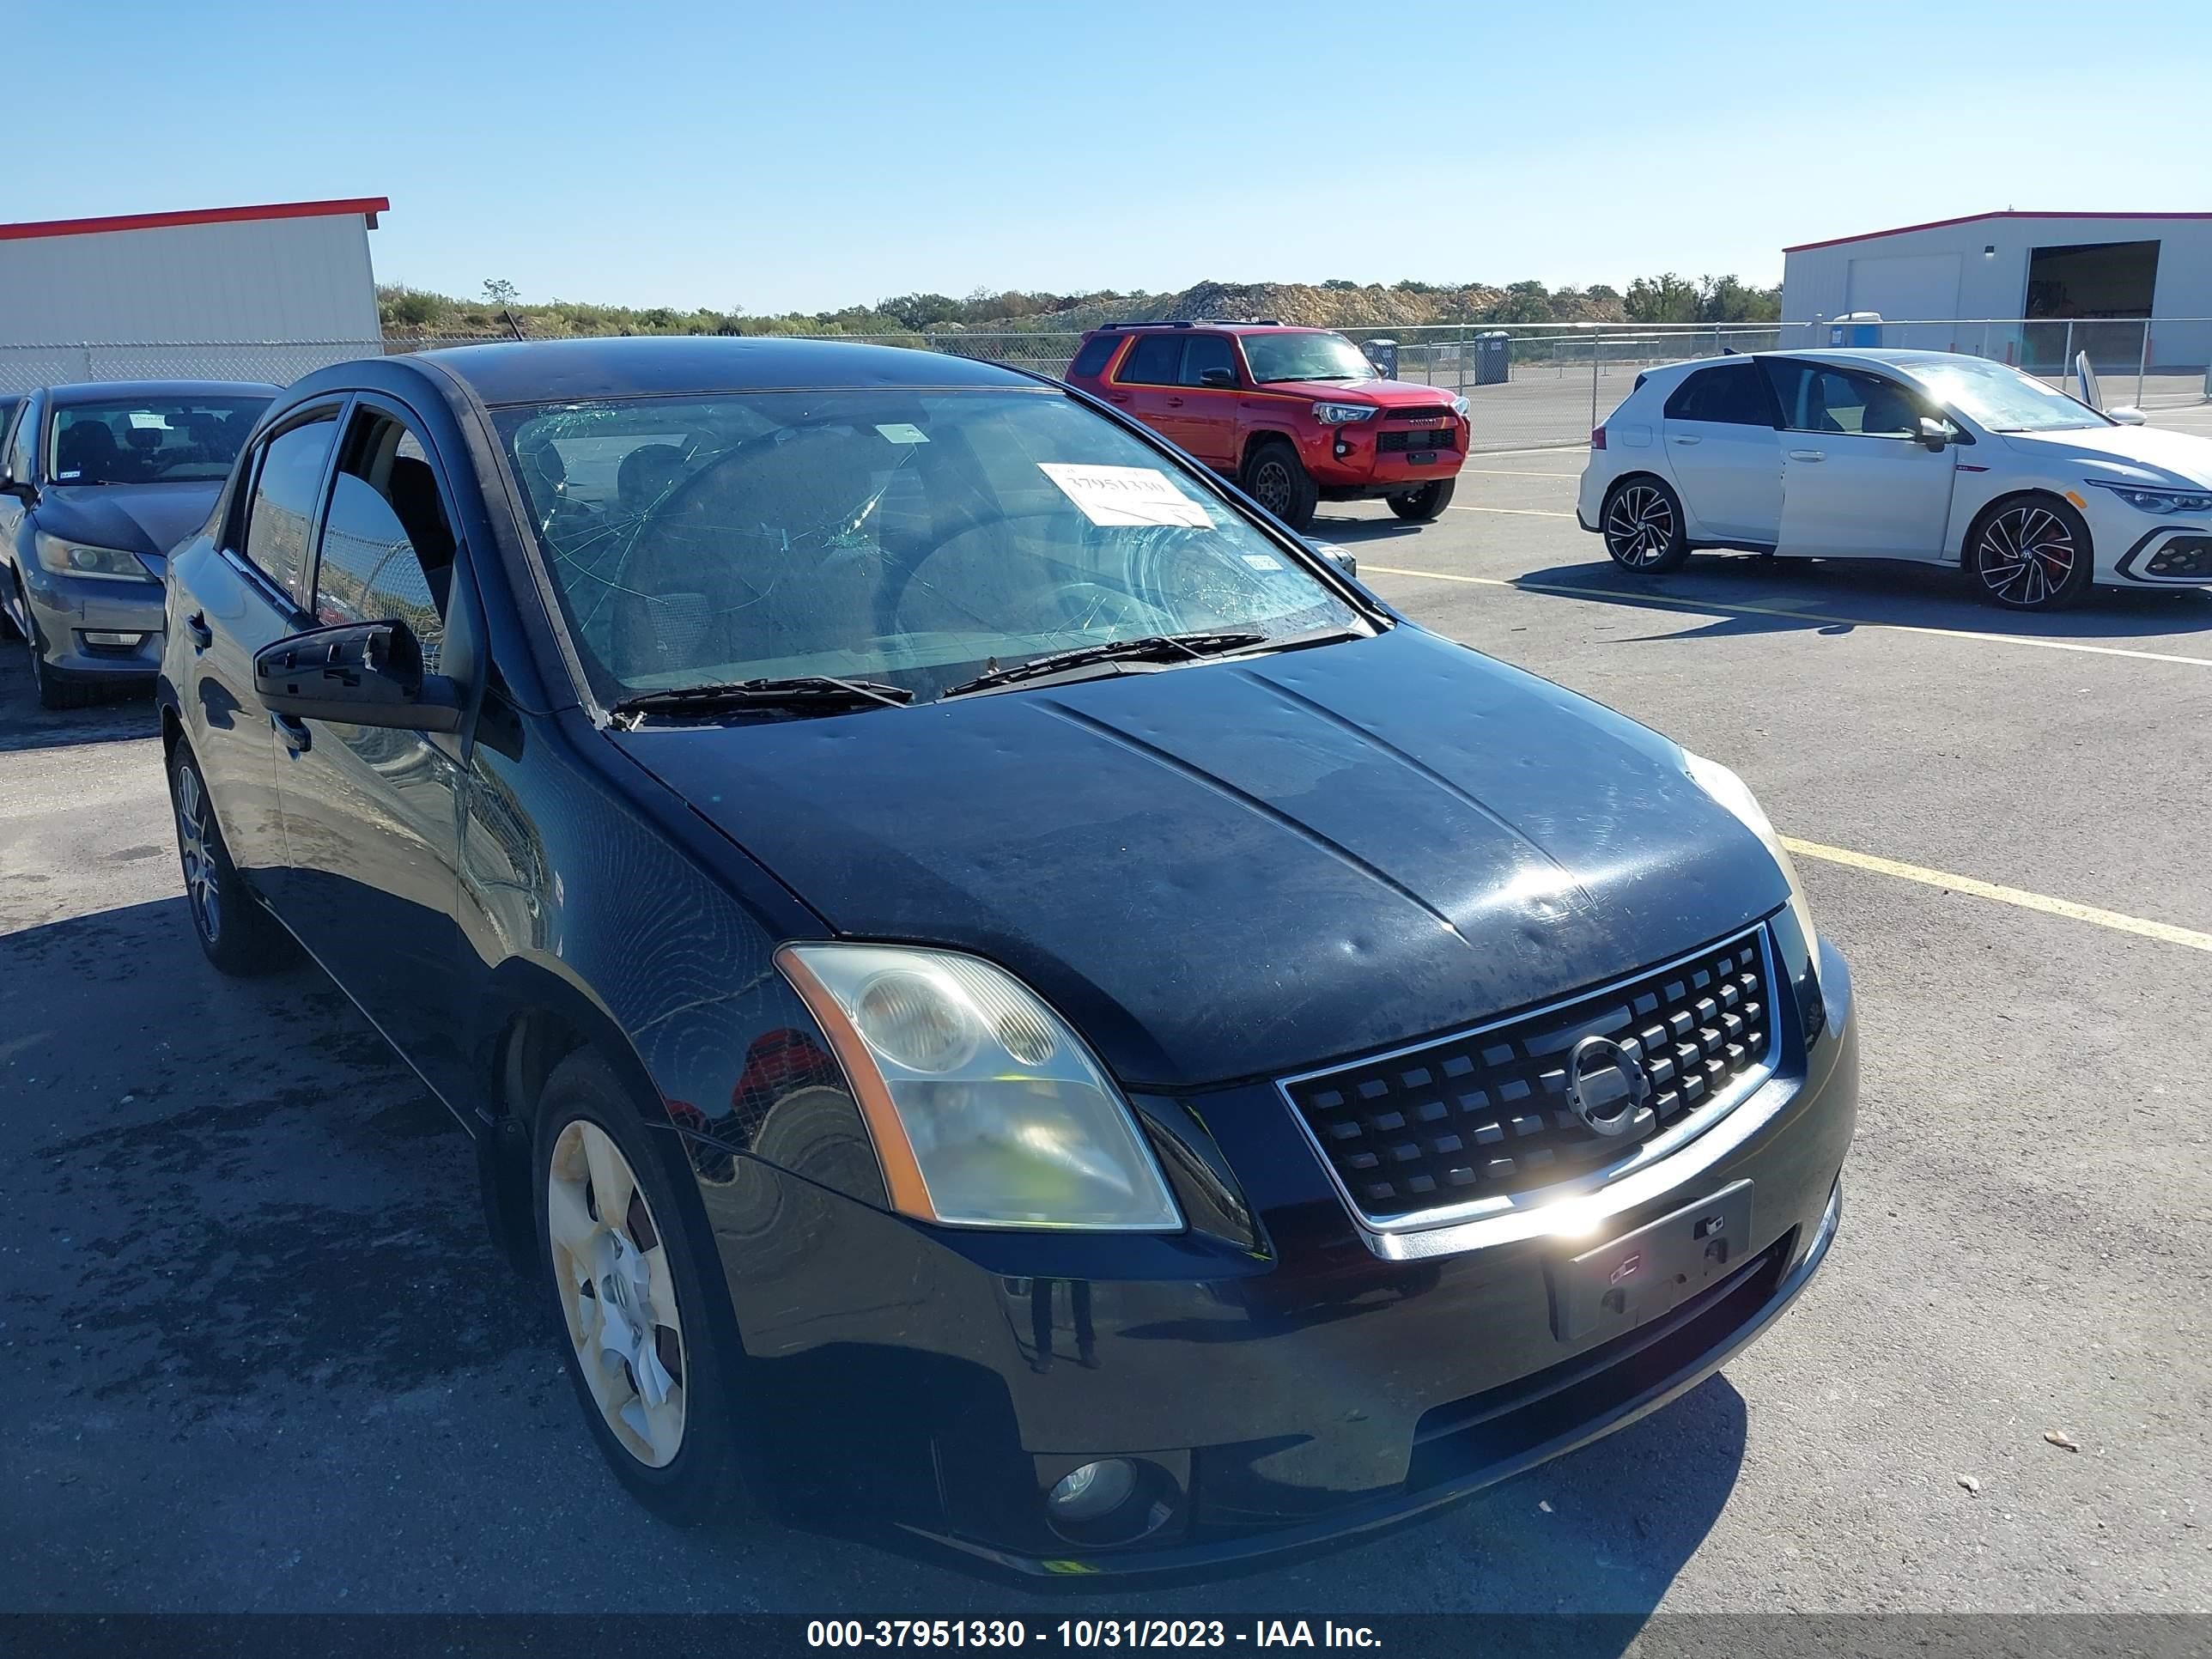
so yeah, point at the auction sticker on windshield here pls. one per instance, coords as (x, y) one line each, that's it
(1125, 494)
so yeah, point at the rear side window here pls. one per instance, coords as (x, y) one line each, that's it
(386, 549)
(1206, 351)
(1091, 361)
(1733, 396)
(283, 503)
(1156, 361)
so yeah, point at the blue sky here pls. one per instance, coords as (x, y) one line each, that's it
(811, 155)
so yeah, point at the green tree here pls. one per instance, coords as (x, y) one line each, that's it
(499, 293)
(1668, 299)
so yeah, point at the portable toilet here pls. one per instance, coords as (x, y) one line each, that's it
(1383, 354)
(1493, 358)
(1856, 328)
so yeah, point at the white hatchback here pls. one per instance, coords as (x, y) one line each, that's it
(1922, 455)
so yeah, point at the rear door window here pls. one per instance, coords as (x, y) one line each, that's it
(1156, 361)
(283, 501)
(1732, 395)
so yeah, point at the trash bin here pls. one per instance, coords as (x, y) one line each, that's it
(1856, 328)
(1383, 354)
(1493, 358)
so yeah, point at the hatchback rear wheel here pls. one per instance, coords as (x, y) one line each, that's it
(1642, 522)
(236, 934)
(2031, 554)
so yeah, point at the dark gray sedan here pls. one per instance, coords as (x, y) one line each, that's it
(97, 483)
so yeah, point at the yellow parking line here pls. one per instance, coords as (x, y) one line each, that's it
(1508, 472)
(1517, 511)
(1727, 607)
(2166, 933)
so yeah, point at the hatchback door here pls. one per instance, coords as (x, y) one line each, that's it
(229, 597)
(1719, 427)
(1855, 479)
(370, 813)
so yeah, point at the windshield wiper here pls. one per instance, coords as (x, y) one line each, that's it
(809, 692)
(1172, 648)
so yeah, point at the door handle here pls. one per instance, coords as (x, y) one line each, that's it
(1117, 397)
(293, 734)
(1175, 402)
(197, 626)
(1689, 440)
(1807, 455)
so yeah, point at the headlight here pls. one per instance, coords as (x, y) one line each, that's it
(1733, 792)
(2157, 498)
(1460, 406)
(76, 559)
(1342, 414)
(987, 1109)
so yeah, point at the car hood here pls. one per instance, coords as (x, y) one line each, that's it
(1390, 394)
(1234, 869)
(148, 519)
(2140, 455)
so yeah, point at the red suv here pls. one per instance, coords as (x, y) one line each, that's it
(1296, 416)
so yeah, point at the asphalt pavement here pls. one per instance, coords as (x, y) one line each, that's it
(256, 1354)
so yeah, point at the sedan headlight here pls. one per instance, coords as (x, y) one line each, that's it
(1733, 792)
(2159, 498)
(1342, 414)
(987, 1109)
(67, 558)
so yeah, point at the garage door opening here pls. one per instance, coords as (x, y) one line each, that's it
(2089, 279)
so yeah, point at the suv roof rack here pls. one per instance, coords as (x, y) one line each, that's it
(1192, 322)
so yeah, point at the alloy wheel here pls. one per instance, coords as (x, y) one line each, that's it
(195, 845)
(1639, 527)
(2026, 556)
(611, 1268)
(1271, 486)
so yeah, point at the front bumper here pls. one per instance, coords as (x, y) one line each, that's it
(2170, 554)
(1365, 469)
(67, 608)
(928, 1387)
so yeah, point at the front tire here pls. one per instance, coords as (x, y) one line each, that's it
(1278, 480)
(1425, 505)
(53, 691)
(652, 1355)
(2030, 553)
(1642, 524)
(235, 932)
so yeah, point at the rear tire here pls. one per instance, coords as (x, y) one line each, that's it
(1278, 480)
(2030, 553)
(638, 1296)
(235, 932)
(1425, 505)
(1642, 524)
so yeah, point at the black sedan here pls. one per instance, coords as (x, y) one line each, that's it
(97, 483)
(1006, 1001)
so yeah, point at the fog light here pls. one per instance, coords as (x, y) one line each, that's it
(1094, 1491)
(91, 638)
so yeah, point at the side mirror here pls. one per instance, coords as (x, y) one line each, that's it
(356, 674)
(1217, 377)
(1339, 557)
(26, 493)
(2127, 415)
(1937, 435)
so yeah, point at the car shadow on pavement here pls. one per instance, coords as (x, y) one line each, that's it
(253, 1303)
(25, 726)
(1848, 593)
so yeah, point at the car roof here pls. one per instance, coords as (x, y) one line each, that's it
(554, 371)
(1225, 325)
(103, 391)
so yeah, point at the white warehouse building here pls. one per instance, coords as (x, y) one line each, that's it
(262, 293)
(2153, 270)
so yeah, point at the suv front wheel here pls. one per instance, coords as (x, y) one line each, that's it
(1278, 480)
(1423, 505)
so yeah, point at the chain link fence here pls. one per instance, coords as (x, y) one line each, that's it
(1531, 386)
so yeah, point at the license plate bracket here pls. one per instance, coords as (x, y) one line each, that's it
(1618, 1286)
(1421, 458)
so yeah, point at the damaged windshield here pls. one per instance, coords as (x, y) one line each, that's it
(919, 540)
